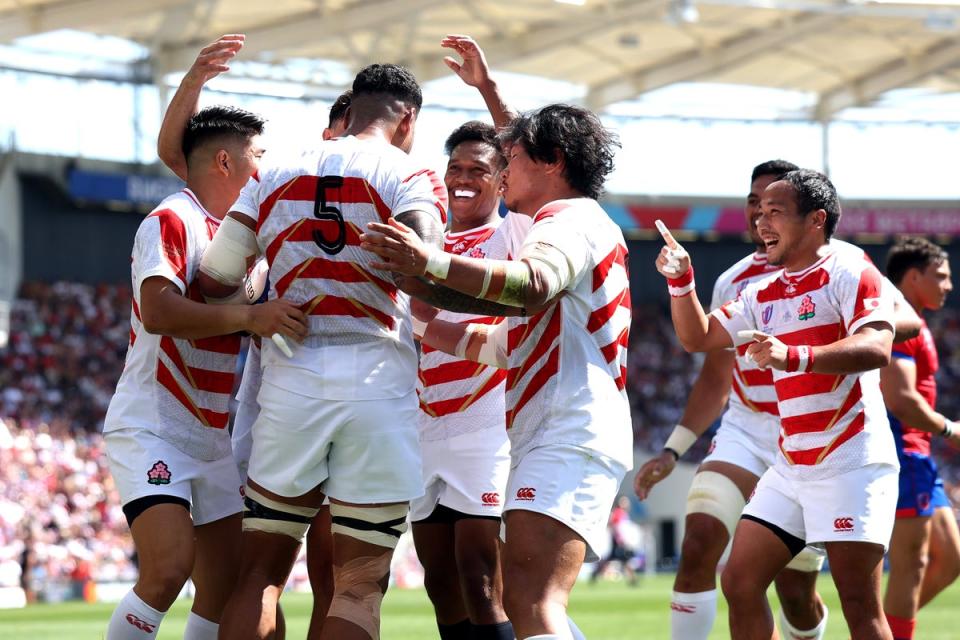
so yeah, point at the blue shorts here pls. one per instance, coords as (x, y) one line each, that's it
(921, 491)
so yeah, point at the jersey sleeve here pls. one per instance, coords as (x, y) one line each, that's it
(563, 234)
(738, 315)
(422, 191)
(161, 248)
(863, 299)
(248, 203)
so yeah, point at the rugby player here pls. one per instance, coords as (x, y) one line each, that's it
(567, 412)
(825, 327)
(921, 270)
(165, 429)
(338, 415)
(463, 437)
(743, 449)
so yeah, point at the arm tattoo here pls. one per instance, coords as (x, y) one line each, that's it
(443, 297)
(424, 225)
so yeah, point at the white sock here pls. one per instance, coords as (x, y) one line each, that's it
(134, 619)
(692, 615)
(200, 628)
(575, 630)
(792, 633)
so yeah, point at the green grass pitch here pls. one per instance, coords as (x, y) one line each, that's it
(607, 611)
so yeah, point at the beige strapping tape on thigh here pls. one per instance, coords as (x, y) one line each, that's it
(373, 515)
(716, 495)
(293, 529)
(357, 594)
(808, 560)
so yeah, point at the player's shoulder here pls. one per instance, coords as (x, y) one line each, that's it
(748, 267)
(848, 262)
(179, 209)
(576, 210)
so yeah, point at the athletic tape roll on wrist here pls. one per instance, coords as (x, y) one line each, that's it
(799, 359)
(682, 285)
(949, 426)
(680, 440)
(438, 263)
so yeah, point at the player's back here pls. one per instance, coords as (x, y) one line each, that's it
(310, 212)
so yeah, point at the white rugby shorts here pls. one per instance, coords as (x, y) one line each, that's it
(143, 464)
(855, 506)
(747, 440)
(363, 451)
(571, 484)
(467, 473)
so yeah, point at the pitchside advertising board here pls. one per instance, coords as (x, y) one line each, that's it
(131, 189)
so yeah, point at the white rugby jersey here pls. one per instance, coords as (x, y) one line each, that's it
(176, 389)
(460, 396)
(567, 364)
(829, 423)
(752, 389)
(309, 213)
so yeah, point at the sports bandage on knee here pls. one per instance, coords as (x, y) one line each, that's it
(261, 513)
(225, 260)
(809, 560)
(714, 494)
(358, 592)
(381, 526)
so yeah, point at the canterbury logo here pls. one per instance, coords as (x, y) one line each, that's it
(843, 524)
(490, 499)
(683, 608)
(526, 493)
(143, 625)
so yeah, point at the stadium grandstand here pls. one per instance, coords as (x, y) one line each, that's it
(699, 92)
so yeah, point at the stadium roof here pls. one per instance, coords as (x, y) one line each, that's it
(847, 53)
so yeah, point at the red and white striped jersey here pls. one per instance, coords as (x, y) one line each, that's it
(310, 211)
(176, 389)
(460, 396)
(567, 364)
(829, 423)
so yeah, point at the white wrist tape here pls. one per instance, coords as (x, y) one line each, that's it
(804, 358)
(419, 327)
(681, 439)
(461, 349)
(438, 264)
(225, 260)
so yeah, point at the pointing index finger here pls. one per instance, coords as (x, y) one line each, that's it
(665, 233)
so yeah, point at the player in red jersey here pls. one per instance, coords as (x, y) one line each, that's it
(921, 270)
(165, 431)
(825, 327)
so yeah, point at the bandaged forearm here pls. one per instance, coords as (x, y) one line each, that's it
(484, 343)
(225, 260)
(253, 285)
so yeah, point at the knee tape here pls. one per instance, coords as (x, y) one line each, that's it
(358, 593)
(260, 513)
(809, 560)
(716, 495)
(381, 526)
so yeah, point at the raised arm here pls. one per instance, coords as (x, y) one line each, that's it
(473, 70)
(211, 62)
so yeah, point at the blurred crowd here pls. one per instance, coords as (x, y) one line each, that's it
(60, 520)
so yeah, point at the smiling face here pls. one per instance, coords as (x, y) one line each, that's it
(790, 237)
(473, 180)
(751, 209)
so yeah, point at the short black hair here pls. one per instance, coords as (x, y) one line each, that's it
(220, 123)
(815, 191)
(390, 80)
(572, 133)
(339, 108)
(774, 168)
(476, 131)
(912, 252)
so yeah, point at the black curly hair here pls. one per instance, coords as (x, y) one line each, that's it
(476, 131)
(220, 124)
(389, 80)
(912, 252)
(815, 191)
(572, 133)
(338, 110)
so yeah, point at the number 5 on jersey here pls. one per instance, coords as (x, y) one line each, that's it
(323, 211)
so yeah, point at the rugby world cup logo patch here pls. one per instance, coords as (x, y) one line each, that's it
(159, 473)
(767, 314)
